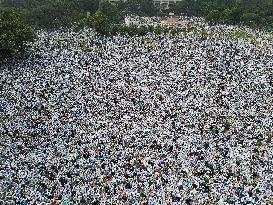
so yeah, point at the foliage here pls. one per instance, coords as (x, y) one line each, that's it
(249, 18)
(53, 13)
(99, 22)
(141, 7)
(191, 7)
(213, 15)
(89, 5)
(62, 13)
(110, 10)
(254, 13)
(13, 31)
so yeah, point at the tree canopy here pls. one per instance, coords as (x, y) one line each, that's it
(64, 13)
(254, 13)
(14, 32)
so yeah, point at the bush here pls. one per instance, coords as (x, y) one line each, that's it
(110, 10)
(235, 15)
(213, 16)
(52, 14)
(269, 21)
(250, 19)
(99, 22)
(13, 31)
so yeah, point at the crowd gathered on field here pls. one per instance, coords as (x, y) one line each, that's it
(154, 119)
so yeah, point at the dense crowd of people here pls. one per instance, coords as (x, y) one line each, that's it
(185, 22)
(155, 119)
(142, 20)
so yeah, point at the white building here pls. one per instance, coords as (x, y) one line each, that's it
(160, 3)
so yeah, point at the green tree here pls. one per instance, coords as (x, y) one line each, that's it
(213, 16)
(89, 5)
(54, 14)
(141, 7)
(190, 7)
(230, 16)
(269, 21)
(99, 22)
(13, 31)
(250, 18)
(110, 10)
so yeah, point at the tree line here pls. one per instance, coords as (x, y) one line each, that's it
(253, 13)
(65, 13)
(18, 18)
